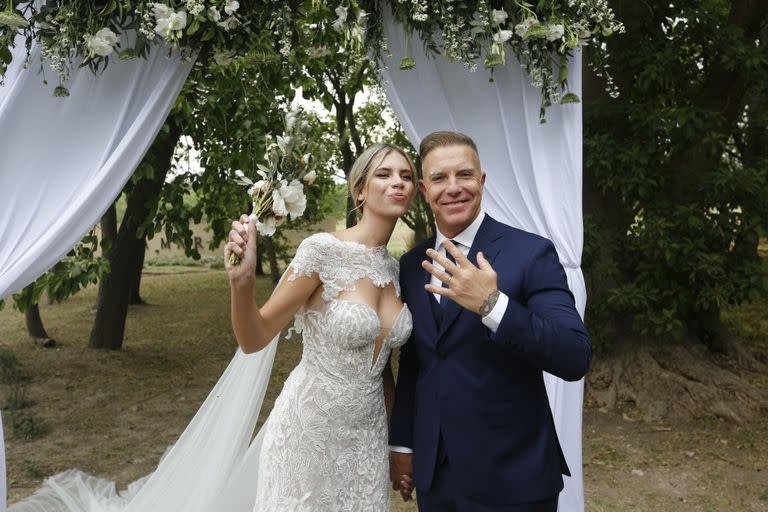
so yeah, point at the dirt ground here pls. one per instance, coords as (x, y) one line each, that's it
(113, 414)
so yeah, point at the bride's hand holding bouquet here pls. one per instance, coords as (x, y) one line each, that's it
(241, 248)
(277, 195)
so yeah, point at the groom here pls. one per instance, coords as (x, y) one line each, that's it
(471, 426)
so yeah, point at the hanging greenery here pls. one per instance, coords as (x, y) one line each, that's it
(541, 35)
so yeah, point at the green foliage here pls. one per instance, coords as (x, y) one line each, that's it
(13, 375)
(28, 426)
(79, 268)
(678, 170)
(32, 469)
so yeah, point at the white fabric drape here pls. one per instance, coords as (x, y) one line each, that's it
(211, 468)
(533, 175)
(64, 160)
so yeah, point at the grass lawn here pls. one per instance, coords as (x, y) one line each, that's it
(113, 414)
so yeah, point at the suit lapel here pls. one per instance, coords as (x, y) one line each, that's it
(489, 233)
(421, 307)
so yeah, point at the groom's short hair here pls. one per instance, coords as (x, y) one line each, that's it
(445, 138)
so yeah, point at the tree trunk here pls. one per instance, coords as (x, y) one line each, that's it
(134, 297)
(34, 323)
(269, 247)
(260, 257)
(127, 250)
(351, 213)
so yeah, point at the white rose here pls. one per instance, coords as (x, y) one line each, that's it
(102, 43)
(278, 203)
(268, 227)
(107, 35)
(311, 176)
(231, 7)
(297, 201)
(289, 199)
(214, 14)
(502, 36)
(499, 17)
(556, 31)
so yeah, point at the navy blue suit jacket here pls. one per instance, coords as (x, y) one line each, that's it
(483, 391)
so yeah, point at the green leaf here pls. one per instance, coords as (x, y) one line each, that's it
(569, 98)
(108, 9)
(209, 34)
(5, 55)
(193, 28)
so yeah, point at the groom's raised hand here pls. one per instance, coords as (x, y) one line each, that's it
(473, 287)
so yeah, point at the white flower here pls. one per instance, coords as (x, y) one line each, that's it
(175, 21)
(522, 27)
(290, 120)
(231, 7)
(311, 176)
(228, 24)
(194, 7)
(161, 11)
(268, 227)
(502, 36)
(102, 43)
(341, 12)
(499, 16)
(223, 58)
(289, 199)
(257, 187)
(214, 14)
(178, 20)
(556, 31)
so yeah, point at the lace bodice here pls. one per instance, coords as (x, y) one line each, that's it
(341, 263)
(325, 444)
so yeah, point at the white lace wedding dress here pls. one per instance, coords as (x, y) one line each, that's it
(324, 445)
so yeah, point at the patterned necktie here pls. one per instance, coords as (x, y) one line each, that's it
(444, 300)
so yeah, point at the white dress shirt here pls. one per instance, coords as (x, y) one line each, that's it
(463, 242)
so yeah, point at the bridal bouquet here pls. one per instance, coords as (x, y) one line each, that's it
(279, 192)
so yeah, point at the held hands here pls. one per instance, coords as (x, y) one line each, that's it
(401, 473)
(473, 288)
(241, 242)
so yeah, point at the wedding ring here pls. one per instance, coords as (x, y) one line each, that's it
(449, 280)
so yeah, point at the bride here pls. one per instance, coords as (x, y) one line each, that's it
(324, 445)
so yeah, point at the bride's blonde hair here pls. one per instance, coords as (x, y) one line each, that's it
(369, 159)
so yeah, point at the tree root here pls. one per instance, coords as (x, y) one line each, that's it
(673, 382)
